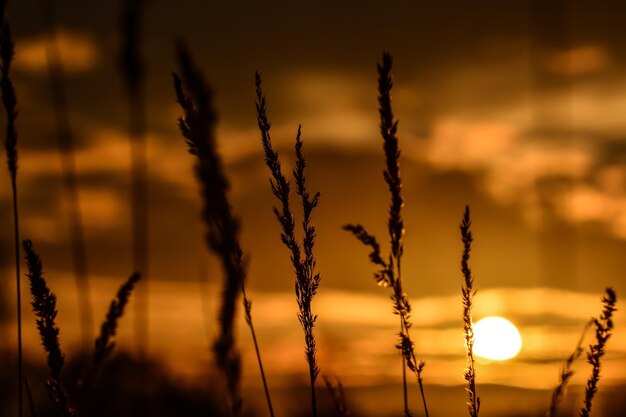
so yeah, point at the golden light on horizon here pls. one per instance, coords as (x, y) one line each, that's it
(496, 338)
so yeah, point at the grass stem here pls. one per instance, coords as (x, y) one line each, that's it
(389, 274)
(567, 373)
(9, 100)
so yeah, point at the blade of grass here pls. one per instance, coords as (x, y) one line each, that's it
(9, 100)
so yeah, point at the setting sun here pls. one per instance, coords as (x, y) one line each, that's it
(496, 338)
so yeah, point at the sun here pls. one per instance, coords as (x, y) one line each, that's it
(496, 338)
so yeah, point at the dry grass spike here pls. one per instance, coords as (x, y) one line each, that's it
(390, 272)
(105, 343)
(198, 128)
(604, 327)
(567, 373)
(302, 257)
(468, 293)
(45, 309)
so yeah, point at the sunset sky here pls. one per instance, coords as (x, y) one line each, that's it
(517, 108)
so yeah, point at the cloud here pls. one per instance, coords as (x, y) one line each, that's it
(518, 173)
(101, 208)
(551, 152)
(515, 159)
(473, 145)
(589, 204)
(108, 151)
(43, 228)
(516, 169)
(579, 60)
(78, 50)
(356, 332)
(331, 108)
(510, 165)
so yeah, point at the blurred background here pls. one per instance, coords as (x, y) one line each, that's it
(516, 108)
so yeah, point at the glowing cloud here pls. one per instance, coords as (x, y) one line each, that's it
(584, 59)
(79, 53)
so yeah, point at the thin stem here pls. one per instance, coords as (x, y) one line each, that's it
(419, 381)
(140, 220)
(18, 295)
(18, 283)
(9, 101)
(65, 143)
(313, 376)
(338, 396)
(403, 330)
(407, 411)
(132, 72)
(29, 396)
(567, 373)
(248, 311)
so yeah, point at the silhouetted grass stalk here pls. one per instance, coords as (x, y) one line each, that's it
(247, 305)
(132, 71)
(567, 373)
(133, 76)
(9, 100)
(65, 143)
(29, 396)
(603, 326)
(338, 396)
(302, 258)
(390, 274)
(44, 307)
(468, 293)
(105, 343)
(198, 128)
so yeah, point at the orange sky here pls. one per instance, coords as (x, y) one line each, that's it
(516, 108)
